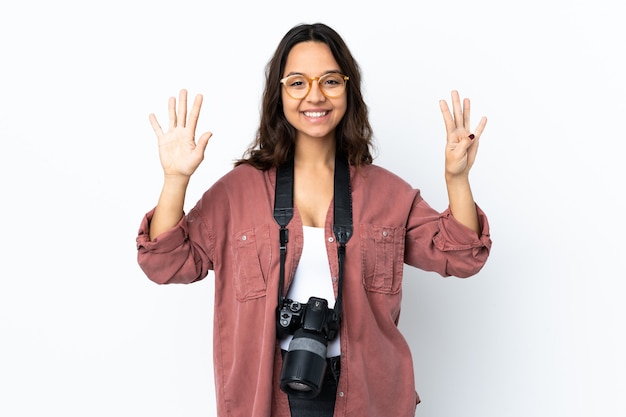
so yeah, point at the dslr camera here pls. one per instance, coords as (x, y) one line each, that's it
(312, 325)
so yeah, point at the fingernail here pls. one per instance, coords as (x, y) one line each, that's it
(471, 136)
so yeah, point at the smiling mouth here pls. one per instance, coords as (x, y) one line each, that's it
(315, 114)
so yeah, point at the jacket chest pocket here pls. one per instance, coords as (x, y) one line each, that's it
(252, 252)
(382, 257)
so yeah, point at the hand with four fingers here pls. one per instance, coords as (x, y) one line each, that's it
(461, 142)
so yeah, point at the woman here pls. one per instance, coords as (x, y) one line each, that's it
(314, 123)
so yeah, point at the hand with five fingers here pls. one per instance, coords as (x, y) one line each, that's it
(461, 143)
(179, 152)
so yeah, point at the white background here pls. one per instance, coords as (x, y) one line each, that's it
(539, 332)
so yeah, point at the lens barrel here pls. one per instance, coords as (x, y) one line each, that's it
(304, 365)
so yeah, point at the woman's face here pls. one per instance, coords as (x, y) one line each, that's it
(315, 116)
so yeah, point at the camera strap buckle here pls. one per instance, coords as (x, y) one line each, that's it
(284, 238)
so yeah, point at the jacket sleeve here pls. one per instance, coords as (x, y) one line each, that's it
(180, 255)
(438, 242)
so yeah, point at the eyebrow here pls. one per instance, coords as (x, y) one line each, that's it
(300, 73)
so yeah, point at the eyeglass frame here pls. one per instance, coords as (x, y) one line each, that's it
(310, 80)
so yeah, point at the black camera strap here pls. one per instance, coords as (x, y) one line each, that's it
(342, 227)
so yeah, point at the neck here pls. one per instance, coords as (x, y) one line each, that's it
(315, 153)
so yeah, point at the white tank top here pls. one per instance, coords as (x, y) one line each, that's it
(313, 279)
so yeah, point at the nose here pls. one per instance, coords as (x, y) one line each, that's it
(315, 92)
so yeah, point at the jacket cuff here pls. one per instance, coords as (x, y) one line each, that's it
(165, 242)
(456, 236)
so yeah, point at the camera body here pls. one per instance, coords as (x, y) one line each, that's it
(314, 316)
(312, 325)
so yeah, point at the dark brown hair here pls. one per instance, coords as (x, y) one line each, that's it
(274, 143)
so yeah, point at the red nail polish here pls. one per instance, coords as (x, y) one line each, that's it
(472, 136)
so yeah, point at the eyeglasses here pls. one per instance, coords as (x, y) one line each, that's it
(332, 85)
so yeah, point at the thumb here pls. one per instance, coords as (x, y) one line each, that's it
(463, 146)
(203, 141)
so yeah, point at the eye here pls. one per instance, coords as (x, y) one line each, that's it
(296, 81)
(332, 80)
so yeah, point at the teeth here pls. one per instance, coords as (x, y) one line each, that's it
(315, 113)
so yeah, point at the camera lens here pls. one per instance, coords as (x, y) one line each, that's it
(304, 365)
(299, 386)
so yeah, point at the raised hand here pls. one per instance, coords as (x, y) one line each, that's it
(179, 152)
(461, 143)
(180, 155)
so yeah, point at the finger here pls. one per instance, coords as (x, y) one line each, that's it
(155, 124)
(481, 126)
(466, 114)
(447, 116)
(463, 145)
(195, 112)
(182, 107)
(456, 107)
(171, 110)
(203, 141)
(472, 150)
